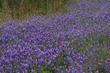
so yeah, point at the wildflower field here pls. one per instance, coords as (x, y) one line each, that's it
(77, 41)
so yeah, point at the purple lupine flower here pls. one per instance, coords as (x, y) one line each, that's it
(33, 37)
(75, 69)
(107, 65)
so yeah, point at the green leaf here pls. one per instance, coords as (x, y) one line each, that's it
(47, 70)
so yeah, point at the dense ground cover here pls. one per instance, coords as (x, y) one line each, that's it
(76, 42)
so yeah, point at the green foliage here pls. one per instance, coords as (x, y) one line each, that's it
(46, 70)
(35, 68)
(92, 40)
(1, 4)
(61, 60)
(103, 55)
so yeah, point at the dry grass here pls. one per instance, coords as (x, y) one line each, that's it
(25, 9)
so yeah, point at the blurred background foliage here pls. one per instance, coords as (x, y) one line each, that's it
(11, 9)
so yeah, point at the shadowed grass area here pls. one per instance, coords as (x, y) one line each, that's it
(90, 41)
(96, 40)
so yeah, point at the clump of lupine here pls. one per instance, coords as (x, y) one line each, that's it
(70, 43)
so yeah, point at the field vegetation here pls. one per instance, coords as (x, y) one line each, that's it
(11, 9)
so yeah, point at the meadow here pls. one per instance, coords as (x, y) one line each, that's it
(76, 41)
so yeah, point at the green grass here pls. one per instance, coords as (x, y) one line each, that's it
(92, 40)
(47, 70)
(96, 40)
(60, 60)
